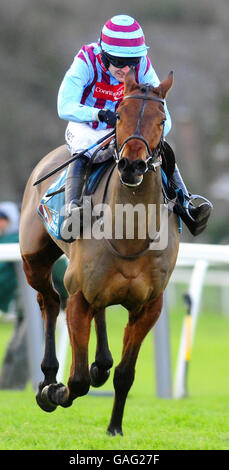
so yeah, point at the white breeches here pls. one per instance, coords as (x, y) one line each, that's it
(80, 136)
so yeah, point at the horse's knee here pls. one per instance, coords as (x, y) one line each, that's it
(50, 301)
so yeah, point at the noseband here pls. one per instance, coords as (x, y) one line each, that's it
(153, 159)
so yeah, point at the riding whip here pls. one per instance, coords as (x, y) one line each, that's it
(106, 137)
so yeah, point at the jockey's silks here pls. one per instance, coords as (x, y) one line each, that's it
(88, 86)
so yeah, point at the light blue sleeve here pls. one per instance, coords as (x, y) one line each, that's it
(152, 78)
(70, 93)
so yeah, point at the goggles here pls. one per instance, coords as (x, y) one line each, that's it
(120, 62)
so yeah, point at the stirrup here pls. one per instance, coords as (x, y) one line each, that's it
(189, 206)
(71, 228)
(74, 210)
(185, 208)
(73, 204)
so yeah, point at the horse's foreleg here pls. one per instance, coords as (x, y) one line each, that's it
(38, 272)
(136, 330)
(50, 364)
(100, 369)
(79, 316)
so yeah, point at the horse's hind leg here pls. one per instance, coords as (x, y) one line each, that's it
(100, 369)
(38, 268)
(135, 332)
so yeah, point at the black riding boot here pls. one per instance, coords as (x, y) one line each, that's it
(73, 193)
(194, 217)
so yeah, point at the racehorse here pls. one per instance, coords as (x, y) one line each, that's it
(104, 272)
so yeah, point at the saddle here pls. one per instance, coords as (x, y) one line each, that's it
(100, 162)
(52, 205)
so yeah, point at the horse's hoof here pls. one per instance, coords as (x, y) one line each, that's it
(98, 376)
(113, 431)
(43, 401)
(57, 394)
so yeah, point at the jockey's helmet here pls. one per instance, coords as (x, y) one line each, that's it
(122, 42)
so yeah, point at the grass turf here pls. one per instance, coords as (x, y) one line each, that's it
(200, 421)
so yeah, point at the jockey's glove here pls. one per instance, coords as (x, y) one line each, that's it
(108, 116)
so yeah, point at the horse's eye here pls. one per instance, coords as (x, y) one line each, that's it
(118, 116)
(162, 122)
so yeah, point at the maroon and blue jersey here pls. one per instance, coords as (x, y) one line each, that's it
(88, 86)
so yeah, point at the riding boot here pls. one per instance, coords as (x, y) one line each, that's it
(73, 193)
(194, 216)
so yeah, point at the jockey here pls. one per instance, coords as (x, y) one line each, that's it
(89, 96)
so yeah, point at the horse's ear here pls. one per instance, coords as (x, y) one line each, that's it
(130, 82)
(165, 86)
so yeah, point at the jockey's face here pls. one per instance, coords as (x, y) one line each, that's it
(119, 73)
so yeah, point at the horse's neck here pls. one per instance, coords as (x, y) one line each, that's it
(146, 198)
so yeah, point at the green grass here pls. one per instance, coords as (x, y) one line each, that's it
(198, 422)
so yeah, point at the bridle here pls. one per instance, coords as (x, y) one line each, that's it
(153, 158)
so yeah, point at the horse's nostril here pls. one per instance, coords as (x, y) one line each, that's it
(123, 164)
(139, 167)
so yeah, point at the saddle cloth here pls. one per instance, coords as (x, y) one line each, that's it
(52, 205)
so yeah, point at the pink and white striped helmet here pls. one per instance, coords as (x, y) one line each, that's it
(122, 36)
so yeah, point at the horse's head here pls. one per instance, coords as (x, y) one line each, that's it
(139, 130)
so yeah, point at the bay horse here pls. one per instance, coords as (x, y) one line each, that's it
(104, 272)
